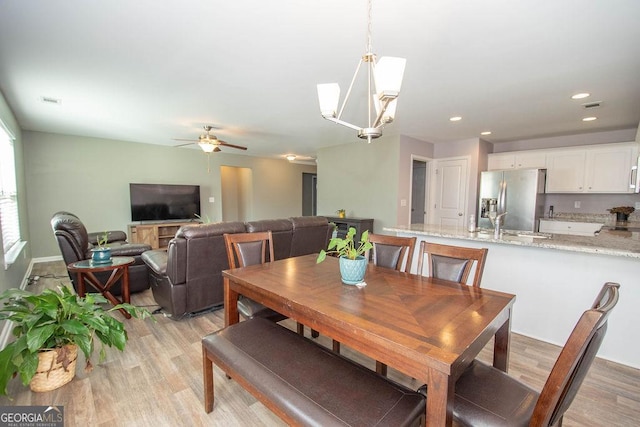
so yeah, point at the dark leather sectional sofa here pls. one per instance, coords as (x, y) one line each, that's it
(186, 278)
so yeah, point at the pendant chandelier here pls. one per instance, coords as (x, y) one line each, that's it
(384, 80)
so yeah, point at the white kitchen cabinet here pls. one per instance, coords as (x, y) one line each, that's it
(604, 168)
(517, 160)
(608, 169)
(569, 227)
(566, 171)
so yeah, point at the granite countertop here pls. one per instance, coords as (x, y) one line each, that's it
(609, 241)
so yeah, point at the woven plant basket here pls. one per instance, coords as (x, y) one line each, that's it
(55, 368)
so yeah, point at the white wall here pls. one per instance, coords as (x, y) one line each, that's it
(90, 177)
(623, 135)
(360, 178)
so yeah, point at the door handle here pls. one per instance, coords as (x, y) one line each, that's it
(459, 213)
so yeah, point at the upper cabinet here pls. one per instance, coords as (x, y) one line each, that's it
(608, 170)
(592, 169)
(565, 171)
(518, 160)
(602, 168)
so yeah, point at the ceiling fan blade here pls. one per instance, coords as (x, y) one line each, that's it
(226, 144)
(183, 145)
(182, 139)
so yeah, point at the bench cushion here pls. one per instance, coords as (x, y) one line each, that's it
(310, 384)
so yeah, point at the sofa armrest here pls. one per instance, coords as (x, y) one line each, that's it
(112, 236)
(128, 249)
(156, 260)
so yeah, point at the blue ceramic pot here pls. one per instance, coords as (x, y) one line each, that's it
(353, 270)
(101, 256)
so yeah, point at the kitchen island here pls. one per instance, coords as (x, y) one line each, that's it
(555, 278)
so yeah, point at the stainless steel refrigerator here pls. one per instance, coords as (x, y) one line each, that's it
(519, 192)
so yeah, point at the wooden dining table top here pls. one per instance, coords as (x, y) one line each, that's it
(427, 328)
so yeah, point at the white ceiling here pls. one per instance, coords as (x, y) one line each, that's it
(153, 70)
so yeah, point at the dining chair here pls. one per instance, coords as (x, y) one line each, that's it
(488, 396)
(245, 249)
(452, 262)
(392, 251)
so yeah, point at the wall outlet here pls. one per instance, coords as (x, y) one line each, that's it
(212, 199)
(577, 204)
(403, 202)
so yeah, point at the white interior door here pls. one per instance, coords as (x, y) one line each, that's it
(450, 195)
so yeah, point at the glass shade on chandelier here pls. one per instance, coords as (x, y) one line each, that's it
(384, 81)
(387, 76)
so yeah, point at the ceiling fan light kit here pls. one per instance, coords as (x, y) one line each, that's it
(384, 81)
(210, 143)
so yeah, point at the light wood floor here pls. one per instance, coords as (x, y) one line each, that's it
(157, 380)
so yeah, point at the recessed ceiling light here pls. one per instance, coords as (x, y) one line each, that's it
(589, 119)
(581, 95)
(291, 157)
(486, 132)
(455, 119)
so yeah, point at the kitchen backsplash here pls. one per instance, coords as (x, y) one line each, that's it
(593, 207)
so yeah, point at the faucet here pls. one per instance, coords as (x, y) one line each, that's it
(496, 224)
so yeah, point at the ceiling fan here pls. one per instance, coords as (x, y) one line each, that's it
(209, 142)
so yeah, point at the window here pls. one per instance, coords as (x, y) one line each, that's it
(9, 220)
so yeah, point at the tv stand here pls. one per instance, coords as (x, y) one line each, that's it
(156, 234)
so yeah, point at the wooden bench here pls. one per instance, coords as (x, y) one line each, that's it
(304, 383)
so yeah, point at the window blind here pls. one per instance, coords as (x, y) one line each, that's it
(8, 194)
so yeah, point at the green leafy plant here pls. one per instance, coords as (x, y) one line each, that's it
(347, 247)
(622, 209)
(103, 240)
(55, 318)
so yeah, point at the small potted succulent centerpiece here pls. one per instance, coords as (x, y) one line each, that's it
(622, 212)
(353, 263)
(101, 254)
(341, 213)
(49, 328)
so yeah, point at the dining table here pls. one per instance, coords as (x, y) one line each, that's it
(427, 328)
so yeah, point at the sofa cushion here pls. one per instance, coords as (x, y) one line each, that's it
(281, 231)
(310, 235)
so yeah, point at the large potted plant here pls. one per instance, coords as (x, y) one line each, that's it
(353, 263)
(49, 328)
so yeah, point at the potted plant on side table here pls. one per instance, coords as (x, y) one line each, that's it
(353, 263)
(101, 254)
(49, 328)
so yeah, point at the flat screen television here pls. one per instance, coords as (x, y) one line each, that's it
(162, 202)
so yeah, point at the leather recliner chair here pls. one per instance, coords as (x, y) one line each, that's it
(76, 243)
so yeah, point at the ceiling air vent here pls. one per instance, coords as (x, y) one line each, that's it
(590, 105)
(49, 100)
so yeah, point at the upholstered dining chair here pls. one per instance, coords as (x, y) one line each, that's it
(486, 396)
(392, 251)
(452, 262)
(245, 249)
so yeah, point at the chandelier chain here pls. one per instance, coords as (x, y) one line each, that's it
(369, 27)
